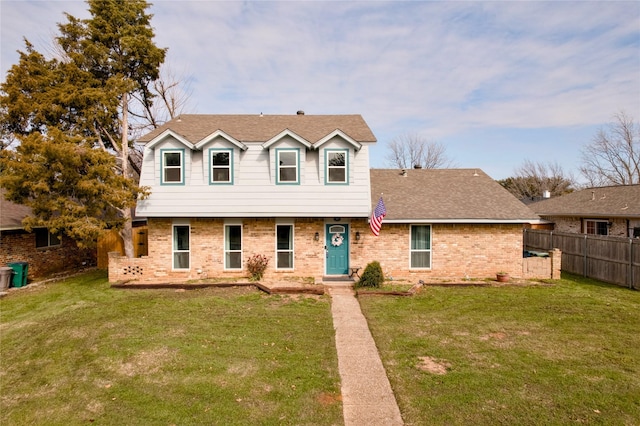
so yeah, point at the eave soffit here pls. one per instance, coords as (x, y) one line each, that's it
(219, 133)
(339, 133)
(285, 133)
(166, 134)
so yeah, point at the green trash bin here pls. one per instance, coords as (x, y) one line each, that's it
(20, 276)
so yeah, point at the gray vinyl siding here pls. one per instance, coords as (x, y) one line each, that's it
(254, 192)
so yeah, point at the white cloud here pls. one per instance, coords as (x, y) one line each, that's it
(442, 69)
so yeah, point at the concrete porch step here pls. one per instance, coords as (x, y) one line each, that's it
(339, 278)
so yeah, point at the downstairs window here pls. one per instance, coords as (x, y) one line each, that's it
(420, 252)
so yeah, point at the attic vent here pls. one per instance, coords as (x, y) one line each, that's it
(300, 112)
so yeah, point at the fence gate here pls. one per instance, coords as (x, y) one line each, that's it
(111, 241)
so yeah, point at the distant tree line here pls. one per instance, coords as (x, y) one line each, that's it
(611, 158)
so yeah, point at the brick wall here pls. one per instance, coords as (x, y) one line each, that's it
(458, 251)
(20, 246)
(207, 251)
(543, 267)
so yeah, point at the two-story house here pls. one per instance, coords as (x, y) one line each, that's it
(225, 187)
(299, 189)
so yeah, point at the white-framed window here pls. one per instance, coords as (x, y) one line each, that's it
(44, 238)
(420, 252)
(181, 247)
(172, 166)
(596, 227)
(288, 166)
(221, 161)
(232, 246)
(284, 246)
(336, 166)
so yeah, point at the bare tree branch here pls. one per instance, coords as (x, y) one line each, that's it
(411, 150)
(168, 98)
(531, 180)
(613, 156)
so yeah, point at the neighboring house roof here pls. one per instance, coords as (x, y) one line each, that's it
(446, 196)
(607, 201)
(261, 128)
(11, 214)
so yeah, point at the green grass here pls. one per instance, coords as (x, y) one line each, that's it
(386, 287)
(562, 354)
(78, 352)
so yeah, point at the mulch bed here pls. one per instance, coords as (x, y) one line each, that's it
(317, 290)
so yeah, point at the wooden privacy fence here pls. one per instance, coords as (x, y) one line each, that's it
(111, 241)
(612, 259)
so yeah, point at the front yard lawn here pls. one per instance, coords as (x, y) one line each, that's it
(562, 354)
(79, 352)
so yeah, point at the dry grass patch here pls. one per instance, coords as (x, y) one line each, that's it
(433, 365)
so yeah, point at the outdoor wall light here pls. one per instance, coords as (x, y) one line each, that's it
(358, 236)
(317, 236)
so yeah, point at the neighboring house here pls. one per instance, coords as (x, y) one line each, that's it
(299, 189)
(609, 210)
(45, 252)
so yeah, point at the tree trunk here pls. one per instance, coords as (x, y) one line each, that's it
(126, 233)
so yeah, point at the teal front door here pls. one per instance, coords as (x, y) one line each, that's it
(337, 243)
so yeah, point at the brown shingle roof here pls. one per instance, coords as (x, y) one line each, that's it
(445, 194)
(609, 201)
(11, 214)
(260, 128)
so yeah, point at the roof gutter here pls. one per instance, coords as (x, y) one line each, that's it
(592, 215)
(471, 221)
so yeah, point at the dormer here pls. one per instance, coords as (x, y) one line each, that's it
(220, 157)
(173, 154)
(336, 154)
(287, 157)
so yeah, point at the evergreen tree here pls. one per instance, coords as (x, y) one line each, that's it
(81, 97)
(69, 185)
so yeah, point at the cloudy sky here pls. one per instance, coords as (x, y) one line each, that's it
(497, 83)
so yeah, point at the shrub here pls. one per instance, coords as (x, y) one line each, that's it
(372, 275)
(256, 265)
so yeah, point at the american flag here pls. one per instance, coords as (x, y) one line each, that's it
(376, 217)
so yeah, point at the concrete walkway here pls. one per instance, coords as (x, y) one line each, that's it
(367, 397)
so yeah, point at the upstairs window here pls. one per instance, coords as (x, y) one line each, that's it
(221, 166)
(44, 238)
(288, 166)
(172, 166)
(597, 227)
(336, 166)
